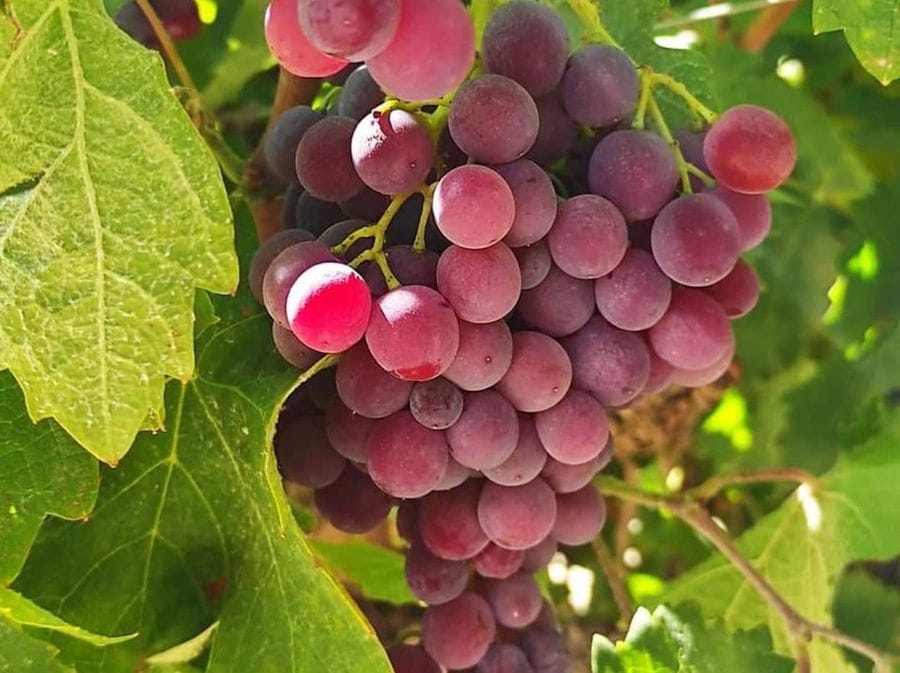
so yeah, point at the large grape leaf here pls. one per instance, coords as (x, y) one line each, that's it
(378, 572)
(670, 641)
(21, 654)
(194, 527)
(871, 30)
(803, 545)
(42, 470)
(112, 211)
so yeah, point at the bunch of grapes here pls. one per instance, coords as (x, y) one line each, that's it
(498, 257)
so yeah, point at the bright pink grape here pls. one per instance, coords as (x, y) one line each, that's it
(481, 285)
(473, 206)
(351, 29)
(441, 29)
(737, 292)
(291, 47)
(575, 430)
(517, 517)
(750, 149)
(404, 458)
(694, 333)
(328, 307)
(413, 333)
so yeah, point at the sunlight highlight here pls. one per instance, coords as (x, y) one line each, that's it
(811, 508)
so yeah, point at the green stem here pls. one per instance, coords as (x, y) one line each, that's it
(481, 11)
(419, 244)
(660, 122)
(320, 366)
(589, 15)
(679, 89)
(644, 100)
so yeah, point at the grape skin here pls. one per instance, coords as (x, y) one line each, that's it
(486, 433)
(600, 87)
(474, 207)
(292, 350)
(455, 475)
(440, 28)
(534, 263)
(391, 151)
(458, 634)
(411, 659)
(559, 305)
(516, 601)
(517, 517)
(366, 388)
(753, 213)
(448, 522)
(516, 32)
(434, 580)
(353, 30)
(404, 458)
(283, 273)
(353, 503)
(580, 518)
(575, 430)
(540, 373)
(304, 454)
(280, 142)
(493, 119)
(539, 555)
(359, 95)
(701, 377)
(409, 266)
(291, 47)
(661, 374)
(347, 431)
(636, 170)
(526, 461)
(589, 237)
(484, 355)
(436, 404)
(316, 215)
(557, 132)
(564, 478)
(498, 563)
(267, 252)
(546, 651)
(335, 179)
(694, 333)
(534, 202)
(737, 292)
(636, 294)
(482, 286)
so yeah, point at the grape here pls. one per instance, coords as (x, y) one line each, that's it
(280, 142)
(636, 294)
(328, 307)
(516, 601)
(347, 431)
(353, 503)
(408, 265)
(366, 388)
(497, 562)
(661, 373)
(515, 34)
(546, 651)
(546, 618)
(368, 206)
(517, 517)
(538, 556)
(575, 430)
(299, 404)
(482, 286)
(525, 462)
(283, 272)
(589, 237)
(457, 634)
(404, 458)
(434, 580)
(405, 225)
(600, 87)
(504, 658)
(289, 208)
(441, 29)
(351, 29)
(290, 348)
(534, 263)
(316, 215)
(695, 240)
(322, 389)
(337, 232)
(391, 151)
(473, 206)
(334, 179)
(448, 522)
(411, 659)
(691, 145)
(753, 213)
(535, 202)
(180, 18)
(540, 373)
(455, 475)
(636, 170)
(610, 364)
(564, 478)
(486, 433)
(560, 305)
(750, 149)
(493, 119)
(408, 520)
(436, 404)
(701, 377)
(291, 47)
(484, 355)
(580, 516)
(557, 132)
(737, 292)
(304, 454)
(694, 333)
(359, 95)
(267, 252)
(413, 333)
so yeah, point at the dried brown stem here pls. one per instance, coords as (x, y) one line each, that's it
(614, 578)
(720, 482)
(766, 24)
(166, 44)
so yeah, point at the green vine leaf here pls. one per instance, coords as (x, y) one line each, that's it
(870, 29)
(678, 641)
(112, 211)
(378, 572)
(42, 470)
(20, 653)
(802, 546)
(194, 527)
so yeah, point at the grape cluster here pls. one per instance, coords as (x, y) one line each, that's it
(498, 258)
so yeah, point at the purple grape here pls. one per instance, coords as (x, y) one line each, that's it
(335, 179)
(600, 87)
(540, 373)
(408, 265)
(493, 119)
(436, 404)
(564, 478)
(504, 658)
(266, 254)
(575, 430)
(391, 151)
(434, 580)
(557, 132)
(535, 202)
(525, 462)
(580, 516)
(753, 213)
(539, 556)
(636, 294)
(292, 349)
(474, 206)
(368, 206)
(347, 431)
(353, 503)
(661, 373)
(516, 601)
(448, 522)
(589, 237)
(404, 458)
(559, 305)
(696, 378)
(408, 520)
(546, 651)
(359, 95)
(497, 562)
(737, 292)
(482, 286)
(486, 433)
(516, 32)
(337, 232)
(458, 634)
(455, 475)
(366, 388)
(534, 263)
(411, 659)
(691, 145)
(350, 29)
(636, 170)
(694, 333)
(484, 355)
(284, 271)
(281, 141)
(316, 215)
(304, 454)
(517, 517)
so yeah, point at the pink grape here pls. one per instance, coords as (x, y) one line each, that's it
(328, 307)
(516, 601)
(694, 333)
(354, 30)
(484, 355)
(580, 517)
(661, 373)
(448, 522)
(366, 388)
(474, 206)
(526, 461)
(486, 433)
(534, 263)
(701, 377)
(750, 149)
(600, 87)
(564, 478)
(753, 213)
(636, 294)
(482, 286)
(737, 292)
(540, 373)
(497, 562)
(436, 404)
(517, 517)
(455, 475)
(353, 503)
(413, 333)
(434, 580)
(575, 430)
(404, 458)
(538, 556)
(392, 151)
(440, 28)
(589, 237)
(458, 634)
(559, 305)
(291, 47)
(347, 431)
(535, 202)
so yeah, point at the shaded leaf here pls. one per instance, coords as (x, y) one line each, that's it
(21, 654)
(870, 29)
(378, 572)
(868, 609)
(112, 211)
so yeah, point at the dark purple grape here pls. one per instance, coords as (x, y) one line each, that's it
(334, 179)
(316, 215)
(304, 454)
(368, 205)
(559, 305)
(411, 659)
(534, 263)
(600, 87)
(436, 404)
(337, 232)
(408, 265)
(557, 133)
(546, 651)
(457, 634)
(535, 202)
(539, 556)
(280, 143)
(347, 431)
(434, 580)
(353, 503)
(360, 94)
(504, 658)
